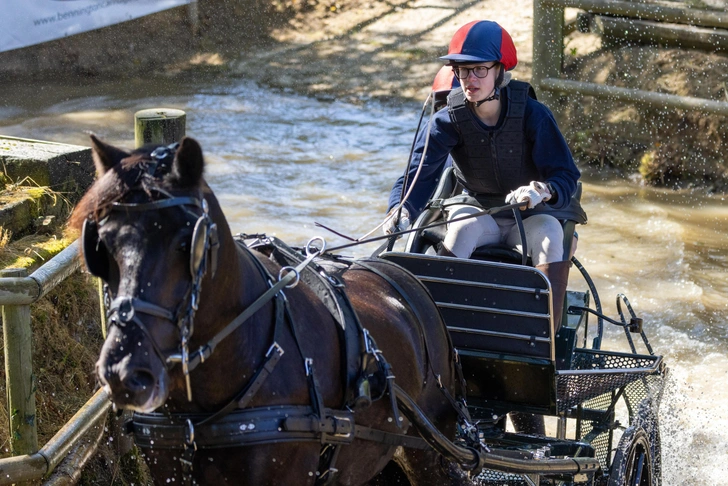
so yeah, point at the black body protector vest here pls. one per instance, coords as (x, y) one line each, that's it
(492, 163)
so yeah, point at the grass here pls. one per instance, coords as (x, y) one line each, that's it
(66, 340)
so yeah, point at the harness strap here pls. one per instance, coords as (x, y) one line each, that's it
(261, 425)
(332, 295)
(206, 350)
(327, 459)
(272, 356)
(159, 204)
(242, 399)
(122, 311)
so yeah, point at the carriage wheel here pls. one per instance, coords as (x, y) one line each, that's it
(633, 463)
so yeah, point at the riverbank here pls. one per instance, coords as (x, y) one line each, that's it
(361, 50)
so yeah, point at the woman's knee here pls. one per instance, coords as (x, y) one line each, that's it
(545, 236)
(465, 235)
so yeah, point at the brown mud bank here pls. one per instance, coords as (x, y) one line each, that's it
(359, 50)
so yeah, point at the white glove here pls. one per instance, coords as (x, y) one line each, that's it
(392, 226)
(535, 193)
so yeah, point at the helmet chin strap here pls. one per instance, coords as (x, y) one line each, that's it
(496, 90)
(494, 96)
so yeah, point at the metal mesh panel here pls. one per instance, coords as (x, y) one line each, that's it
(596, 373)
(490, 477)
(600, 442)
(649, 387)
(642, 397)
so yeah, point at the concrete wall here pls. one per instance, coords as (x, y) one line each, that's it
(45, 179)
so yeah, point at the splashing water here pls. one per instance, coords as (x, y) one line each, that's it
(280, 162)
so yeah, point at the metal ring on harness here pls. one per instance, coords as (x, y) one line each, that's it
(190, 434)
(309, 246)
(282, 273)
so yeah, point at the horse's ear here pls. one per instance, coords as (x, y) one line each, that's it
(105, 156)
(188, 163)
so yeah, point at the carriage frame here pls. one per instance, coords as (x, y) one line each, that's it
(499, 313)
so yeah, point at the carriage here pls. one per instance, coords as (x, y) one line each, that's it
(498, 310)
(238, 376)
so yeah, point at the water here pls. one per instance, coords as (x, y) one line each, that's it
(281, 163)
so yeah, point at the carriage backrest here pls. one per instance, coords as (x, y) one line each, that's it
(499, 318)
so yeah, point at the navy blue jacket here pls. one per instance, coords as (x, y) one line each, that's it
(550, 154)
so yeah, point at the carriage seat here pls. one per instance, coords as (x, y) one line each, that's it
(434, 237)
(429, 240)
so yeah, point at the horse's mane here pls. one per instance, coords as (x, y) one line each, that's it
(111, 187)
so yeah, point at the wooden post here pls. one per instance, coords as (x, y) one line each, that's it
(548, 48)
(20, 380)
(194, 16)
(159, 125)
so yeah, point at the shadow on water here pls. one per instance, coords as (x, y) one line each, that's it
(281, 162)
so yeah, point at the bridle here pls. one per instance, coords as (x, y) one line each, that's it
(203, 251)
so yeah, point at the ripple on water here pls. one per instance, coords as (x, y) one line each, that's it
(280, 162)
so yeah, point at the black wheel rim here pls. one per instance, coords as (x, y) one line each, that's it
(633, 464)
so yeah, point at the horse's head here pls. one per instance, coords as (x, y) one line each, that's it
(147, 233)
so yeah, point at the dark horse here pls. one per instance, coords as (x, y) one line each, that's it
(142, 221)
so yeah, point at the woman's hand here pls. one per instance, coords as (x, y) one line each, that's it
(535, 193)
(392, 224)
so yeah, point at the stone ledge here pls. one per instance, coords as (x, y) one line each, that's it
(64, 168)
(46, 179)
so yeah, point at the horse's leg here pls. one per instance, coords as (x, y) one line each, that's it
(392, 474)
(427, 467)
(259, 465)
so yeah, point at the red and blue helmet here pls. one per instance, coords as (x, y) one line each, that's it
(482, 41)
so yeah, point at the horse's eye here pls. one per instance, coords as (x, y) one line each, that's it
(183, 247)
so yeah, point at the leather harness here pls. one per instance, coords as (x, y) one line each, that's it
(236, 425)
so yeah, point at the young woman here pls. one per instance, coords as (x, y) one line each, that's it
(505, 147)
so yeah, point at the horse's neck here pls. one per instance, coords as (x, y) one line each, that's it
(237, 279)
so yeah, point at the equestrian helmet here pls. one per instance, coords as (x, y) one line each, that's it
(445, 80)
(482, 41)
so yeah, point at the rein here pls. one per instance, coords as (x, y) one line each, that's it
(397, 234)
(124, 310)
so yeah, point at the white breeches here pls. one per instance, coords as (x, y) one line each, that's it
(544, 234)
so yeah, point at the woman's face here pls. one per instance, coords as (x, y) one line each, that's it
(477, 79)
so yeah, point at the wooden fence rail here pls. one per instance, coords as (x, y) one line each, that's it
(548, 51)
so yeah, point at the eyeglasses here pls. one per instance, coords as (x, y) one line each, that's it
(478, 71)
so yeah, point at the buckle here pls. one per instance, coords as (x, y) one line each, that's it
(343, 430)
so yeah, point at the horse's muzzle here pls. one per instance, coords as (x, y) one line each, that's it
(138, 386)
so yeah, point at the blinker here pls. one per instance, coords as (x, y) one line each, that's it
(199, 244)
(95, 254)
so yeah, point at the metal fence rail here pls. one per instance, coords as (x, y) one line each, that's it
(17, 293)
(548, 51)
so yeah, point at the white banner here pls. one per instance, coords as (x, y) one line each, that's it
(27, 22)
